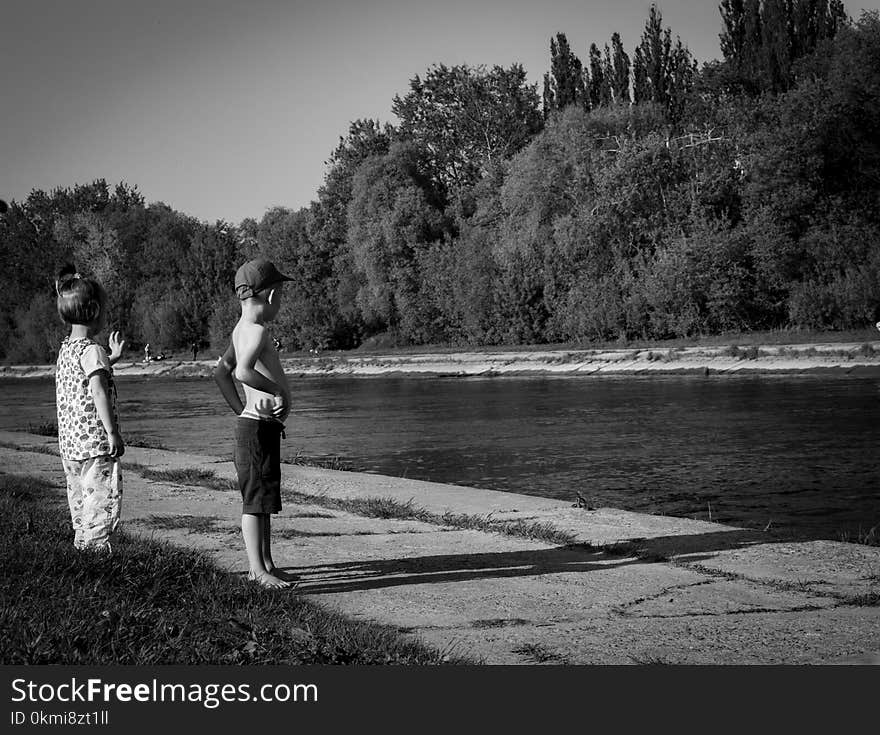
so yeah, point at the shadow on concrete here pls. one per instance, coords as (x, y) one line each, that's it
(576, 558)
(378, 573)
(693, 548)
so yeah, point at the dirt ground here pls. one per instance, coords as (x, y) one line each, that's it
(683, 592)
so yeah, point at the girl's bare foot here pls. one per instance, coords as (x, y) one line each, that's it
(270, 581)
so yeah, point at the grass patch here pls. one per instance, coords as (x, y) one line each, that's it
(292, 533)
(37, 448)
(866, 350)
(192, 476)
(866, 538)
(193, 524)
(649, 661)
(867, 599)
(324, 463)
(766, 337)
(749, 352)
(46, 428)
(144, 442)
(150, 603)
(386, 508)
(533, 530)
(538, 653)
(389, 508)
(498, 623)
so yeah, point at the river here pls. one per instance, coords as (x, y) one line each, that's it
(801, 453)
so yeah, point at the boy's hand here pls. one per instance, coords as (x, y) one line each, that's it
(117, 446)
(117, 345)
(281, 409)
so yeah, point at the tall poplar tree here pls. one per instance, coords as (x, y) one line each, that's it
(620, 70)
(564, 85)
(597, 77)
(761, 39)
(641, 88)
(655, 48)
(663, 73)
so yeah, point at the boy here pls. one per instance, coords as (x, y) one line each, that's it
(254, 361)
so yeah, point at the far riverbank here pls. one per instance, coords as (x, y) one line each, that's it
(722, 359)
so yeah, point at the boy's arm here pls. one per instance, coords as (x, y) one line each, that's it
(99, 389)
(223, 378)
(250, 345)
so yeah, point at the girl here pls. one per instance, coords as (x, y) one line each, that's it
(88, 429)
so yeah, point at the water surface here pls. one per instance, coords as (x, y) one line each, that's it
(798, 452)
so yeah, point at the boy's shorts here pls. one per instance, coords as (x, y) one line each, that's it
(258, 464)
(94, 494)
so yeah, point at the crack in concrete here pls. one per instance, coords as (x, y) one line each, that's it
(623, 607)
(778, 585)
(727, 613)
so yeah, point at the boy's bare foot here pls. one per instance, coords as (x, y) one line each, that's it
(270, 581)
(281, 574)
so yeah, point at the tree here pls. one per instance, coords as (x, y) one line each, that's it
(733, 37)
(620, 71)
(365, 138)
(334, 283)
(464, 119)
(564, 85)
(762, 39)
(776, 44)
(390, 218)
(741, 45)
(641, 84)
(600, 91)
(207, 273)
(663, 73)
(653, 58)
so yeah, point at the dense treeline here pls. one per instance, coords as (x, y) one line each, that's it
(637, 196)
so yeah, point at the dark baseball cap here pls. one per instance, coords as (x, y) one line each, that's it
(255, 275)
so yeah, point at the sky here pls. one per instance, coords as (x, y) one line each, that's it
(223, 109)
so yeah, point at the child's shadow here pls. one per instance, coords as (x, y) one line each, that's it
(579, 558)
(378, 573)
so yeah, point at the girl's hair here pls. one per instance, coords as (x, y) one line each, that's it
(80, 299)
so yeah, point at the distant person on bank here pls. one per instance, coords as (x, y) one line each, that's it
(88, 428)
(252, 358)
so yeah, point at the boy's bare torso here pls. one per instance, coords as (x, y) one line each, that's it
(251, 340)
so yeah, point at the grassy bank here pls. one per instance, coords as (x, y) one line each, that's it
(733, 339)
(386, 508)
(152, 603)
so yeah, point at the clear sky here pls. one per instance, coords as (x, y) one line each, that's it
(224, 108)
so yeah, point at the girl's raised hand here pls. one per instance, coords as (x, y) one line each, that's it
(117, 345)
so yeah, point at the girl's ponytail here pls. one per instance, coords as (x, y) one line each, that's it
(80, 299)
(65, 278)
